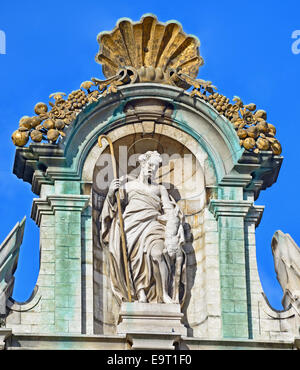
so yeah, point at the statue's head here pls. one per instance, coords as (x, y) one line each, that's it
(149, 162)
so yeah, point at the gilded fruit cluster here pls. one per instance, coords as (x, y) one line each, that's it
(251, 125)
(49, 123)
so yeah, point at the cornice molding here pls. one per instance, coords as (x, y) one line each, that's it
(57, 202)
(229, 208)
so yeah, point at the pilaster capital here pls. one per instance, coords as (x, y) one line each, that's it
(68, 202)
(255, 214)
(229, 208)
(57, 202)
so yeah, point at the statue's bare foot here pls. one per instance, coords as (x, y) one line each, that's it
(142, 296)
(167, 299)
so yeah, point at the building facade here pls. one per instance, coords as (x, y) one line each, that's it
(216, 155)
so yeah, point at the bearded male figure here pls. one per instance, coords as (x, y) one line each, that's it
(154, 237)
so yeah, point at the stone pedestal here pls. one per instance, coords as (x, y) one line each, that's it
(151, 325)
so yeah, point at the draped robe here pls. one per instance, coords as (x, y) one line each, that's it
(143, 231)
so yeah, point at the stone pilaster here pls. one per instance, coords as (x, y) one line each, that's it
(60, 278)
(87, 271)
(252, 221)
(230, 215)
(41, 318)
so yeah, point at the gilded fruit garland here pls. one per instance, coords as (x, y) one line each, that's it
(147, 51)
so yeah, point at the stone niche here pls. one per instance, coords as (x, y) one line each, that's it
(189, 176)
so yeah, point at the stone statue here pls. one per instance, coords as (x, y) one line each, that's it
(9, 255)
(286, 255)
(154, 237)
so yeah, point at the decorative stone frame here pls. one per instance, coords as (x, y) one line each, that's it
(61, 176)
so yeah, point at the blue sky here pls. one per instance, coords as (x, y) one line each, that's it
(247, 48)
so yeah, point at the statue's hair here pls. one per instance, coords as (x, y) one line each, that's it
(155, 156)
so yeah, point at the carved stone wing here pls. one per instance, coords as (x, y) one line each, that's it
(9, 254)
(286, 255)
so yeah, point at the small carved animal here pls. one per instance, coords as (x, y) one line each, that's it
(174, 238)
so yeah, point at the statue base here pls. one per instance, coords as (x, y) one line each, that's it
(151, 325)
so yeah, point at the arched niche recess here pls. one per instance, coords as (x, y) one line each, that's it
(152, 117)
(189, 176)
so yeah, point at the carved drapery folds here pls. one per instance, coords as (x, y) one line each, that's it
(153, 229)
(181, 177)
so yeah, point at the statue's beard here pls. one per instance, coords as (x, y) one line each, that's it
(149, 177)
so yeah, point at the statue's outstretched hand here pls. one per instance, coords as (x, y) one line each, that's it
(113, 187)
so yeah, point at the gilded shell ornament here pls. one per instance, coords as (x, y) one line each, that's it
(149, 51)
